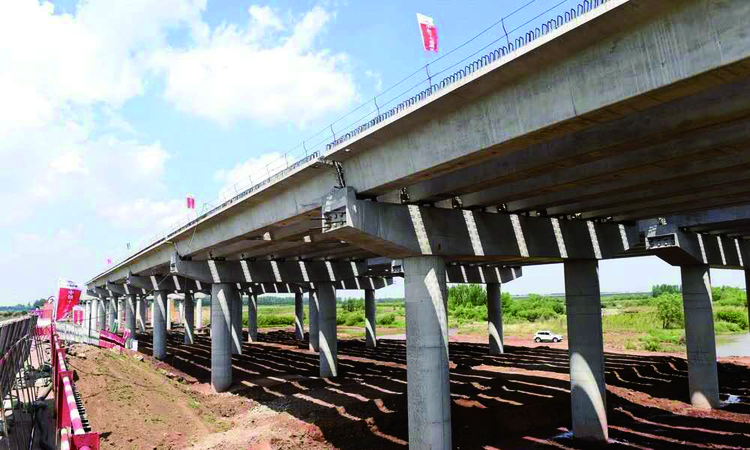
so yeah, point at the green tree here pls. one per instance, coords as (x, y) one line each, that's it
(660, 289)
(669, 307)
(466, 295)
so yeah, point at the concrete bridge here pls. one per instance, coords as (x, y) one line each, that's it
(620, 130)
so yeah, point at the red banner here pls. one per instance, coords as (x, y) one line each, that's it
(429, 33)
(69, 294)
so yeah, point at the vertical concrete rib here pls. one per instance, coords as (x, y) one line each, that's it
(130, 314)
(495, 318)
(252, 318)
(371, 339)
(428, 384)
(699, 337)
(299, 317)
(199, 315)
(168, 317)
(314, 322)
(235, 312)
(189, 309)
(101, 316)
(222, 296)
(111, 306)
(747, 292)
(160, 324)
(586, 350)
(139, 313)
(326, 294)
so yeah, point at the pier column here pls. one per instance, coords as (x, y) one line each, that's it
(314, 322)
(299, 317)
(112, 313)
(699, 337)
(160, 324)
(199, 315)
(168, 316)
(495, 318)
(235, 322)
(252, 318)
(101, 315)
(428, 385)
(586, 350)
(326, 294)
(222, 297)
(130, 314)
(747, 292)
(371, 339)
(140, 307)
(188, 309)
(121, 315)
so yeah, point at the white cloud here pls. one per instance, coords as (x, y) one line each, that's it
(247, 173)
(377, 78)
(145, 214)
(268, 71)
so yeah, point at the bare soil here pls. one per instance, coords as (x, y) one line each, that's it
(519, 400)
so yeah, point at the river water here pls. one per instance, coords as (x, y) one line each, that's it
(734, 345)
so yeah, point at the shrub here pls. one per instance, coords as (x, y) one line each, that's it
(273, 320)
(466, 295)
(387, 319)
(669, 307)
(726, 327)
(353, 304)
(354, 318)
(737, 316)
(729, 296)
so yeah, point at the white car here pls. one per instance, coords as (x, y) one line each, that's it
(546, 336)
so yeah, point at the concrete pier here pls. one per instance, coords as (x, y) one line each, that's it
(199, 314)
(168, 316)
(747, 287)
(428, 385)
(299, 317)
(371, 339)
(159, 323)
(130, 314)
(235, 322)
(189, 309)
(222, 296)
(314, 322)
(326, 294)
(699, 337)
(140, 308)
(252, 318)
(111, 307)
(586, 349)
(101, 316)
(495, 318)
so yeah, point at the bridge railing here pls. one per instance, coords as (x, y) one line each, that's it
(452, 72)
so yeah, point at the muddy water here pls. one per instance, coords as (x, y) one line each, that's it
(734, 345)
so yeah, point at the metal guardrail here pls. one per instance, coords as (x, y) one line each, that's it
(474, 66)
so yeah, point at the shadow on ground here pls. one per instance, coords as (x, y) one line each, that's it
(516, 400)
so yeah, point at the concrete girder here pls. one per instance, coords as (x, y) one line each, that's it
(475, 274)
(171, 283)
(400, 231)
(556, 202)
(697, 220)
(682, 248)
(244, 271)
(652, 193)
(632, 141)
(687, 206)
(356, 283)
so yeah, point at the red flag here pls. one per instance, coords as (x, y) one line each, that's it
(109, 260)
(190, 202)
(69, 293)
(429, 33)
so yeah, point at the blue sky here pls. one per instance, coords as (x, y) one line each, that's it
(115, 110)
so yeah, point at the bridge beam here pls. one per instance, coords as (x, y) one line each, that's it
(243, 271)
(401, 231)
(684, 248)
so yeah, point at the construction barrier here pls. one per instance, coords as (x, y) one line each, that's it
(72, 427)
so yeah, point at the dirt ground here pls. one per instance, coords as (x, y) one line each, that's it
(519, 400)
